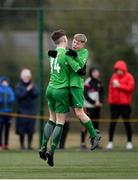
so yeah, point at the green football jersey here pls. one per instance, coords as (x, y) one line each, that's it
(75, 79)
(59, 75)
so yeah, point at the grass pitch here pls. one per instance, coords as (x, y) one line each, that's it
(70, 164)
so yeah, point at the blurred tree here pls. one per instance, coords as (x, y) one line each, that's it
(108, 27)
(107, 24)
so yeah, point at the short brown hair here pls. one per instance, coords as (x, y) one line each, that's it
(80, 37)
(56, 35)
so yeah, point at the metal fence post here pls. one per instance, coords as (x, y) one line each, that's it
(41, 70)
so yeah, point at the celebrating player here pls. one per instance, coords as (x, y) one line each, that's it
(80, 54)
(57, 94)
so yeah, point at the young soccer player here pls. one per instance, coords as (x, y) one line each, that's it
(77, 87)
(57, 94)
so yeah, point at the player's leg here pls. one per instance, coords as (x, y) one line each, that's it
(55, 138)
(78, 104)
(48, 129)
(83, 137)
(84, 131)
(49, 126)
(86, 121)
(64, 135)
(61, 108)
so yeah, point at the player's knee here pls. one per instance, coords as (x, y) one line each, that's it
(79, 113)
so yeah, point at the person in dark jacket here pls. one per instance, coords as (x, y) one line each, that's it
(121, 88)
(26, 92)
(94, 97)
(6, 100)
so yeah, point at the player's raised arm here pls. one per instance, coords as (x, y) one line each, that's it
(75, 66)
(82, 57)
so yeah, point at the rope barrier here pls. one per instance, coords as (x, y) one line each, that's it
(45, 118)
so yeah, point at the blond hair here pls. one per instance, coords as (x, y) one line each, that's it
(80, 37)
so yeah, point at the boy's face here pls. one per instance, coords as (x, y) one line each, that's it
(76, 45)
(5, 83)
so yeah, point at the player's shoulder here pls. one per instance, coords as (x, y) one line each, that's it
(61, 52)
(84, 50)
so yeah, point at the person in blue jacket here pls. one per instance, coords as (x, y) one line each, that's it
(26, 93)
(7, 98)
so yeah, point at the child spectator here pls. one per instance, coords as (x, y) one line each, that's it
(6, 100)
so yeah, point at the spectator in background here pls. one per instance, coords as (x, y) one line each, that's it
(121, 88)
(6, 100)
(26, 93)
(94, 97)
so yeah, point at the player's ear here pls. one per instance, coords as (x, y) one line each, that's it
(83, 44)
(65, 39)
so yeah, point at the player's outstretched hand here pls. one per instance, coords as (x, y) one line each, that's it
(52, 53)
(72, 53)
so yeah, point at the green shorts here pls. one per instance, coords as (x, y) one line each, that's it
(58, 99)
(76, 97)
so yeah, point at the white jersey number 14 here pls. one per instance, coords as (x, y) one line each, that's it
(54, 65)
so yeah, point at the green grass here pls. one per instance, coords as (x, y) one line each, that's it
(70, 164)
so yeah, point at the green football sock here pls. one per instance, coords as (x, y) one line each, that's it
(90, 128)
(48, 129)
(56, 135)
